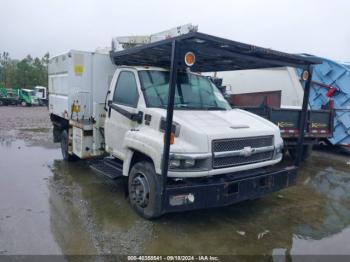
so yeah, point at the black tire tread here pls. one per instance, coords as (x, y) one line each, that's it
(153, 210)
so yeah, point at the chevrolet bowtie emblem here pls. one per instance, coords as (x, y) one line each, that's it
(247, 151)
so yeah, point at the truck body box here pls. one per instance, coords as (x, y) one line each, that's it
(78, 84)
(79, 78)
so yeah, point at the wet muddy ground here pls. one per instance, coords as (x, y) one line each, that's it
(48, 206)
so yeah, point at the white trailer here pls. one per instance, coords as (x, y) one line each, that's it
(284, 79)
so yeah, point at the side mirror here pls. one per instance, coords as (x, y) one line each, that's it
(109, 102)
(137, 117)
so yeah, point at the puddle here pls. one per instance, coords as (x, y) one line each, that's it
(25, 226)
(74, 211)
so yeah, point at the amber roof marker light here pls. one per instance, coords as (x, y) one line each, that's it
(305, 75)
(190, 58)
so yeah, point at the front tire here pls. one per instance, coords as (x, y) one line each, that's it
(23, 103)
(145, 190)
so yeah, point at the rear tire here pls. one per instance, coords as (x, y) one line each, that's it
(144, 188)
(64, 147)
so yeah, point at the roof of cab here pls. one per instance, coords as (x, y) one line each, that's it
(212, 54)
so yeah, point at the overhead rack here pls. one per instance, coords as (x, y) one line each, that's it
(212, 54)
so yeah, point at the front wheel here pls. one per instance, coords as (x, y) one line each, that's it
(145, 190)
(23, 103)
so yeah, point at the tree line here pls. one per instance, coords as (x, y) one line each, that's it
(25, 73)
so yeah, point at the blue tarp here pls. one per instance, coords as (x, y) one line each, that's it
(326, 77)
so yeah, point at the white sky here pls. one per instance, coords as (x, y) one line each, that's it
(34, 27)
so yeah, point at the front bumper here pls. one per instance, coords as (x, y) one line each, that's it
(224, 190)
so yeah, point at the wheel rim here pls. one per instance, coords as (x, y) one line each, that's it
(140, 190)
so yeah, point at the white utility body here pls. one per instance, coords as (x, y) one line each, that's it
(98, 108)
(284, 79)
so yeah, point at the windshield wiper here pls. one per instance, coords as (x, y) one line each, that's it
(187, 106)
(214, 108)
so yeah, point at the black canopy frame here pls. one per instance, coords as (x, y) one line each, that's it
(213, 54)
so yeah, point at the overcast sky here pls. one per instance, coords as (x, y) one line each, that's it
(34, 27)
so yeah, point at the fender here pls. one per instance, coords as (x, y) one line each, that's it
(134, 143)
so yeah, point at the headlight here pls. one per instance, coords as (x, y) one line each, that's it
(174, 163)
(189, 162)
(183, 163)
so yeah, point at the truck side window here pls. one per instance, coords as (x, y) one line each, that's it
(125, 92)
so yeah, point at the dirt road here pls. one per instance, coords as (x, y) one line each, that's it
(48, 206)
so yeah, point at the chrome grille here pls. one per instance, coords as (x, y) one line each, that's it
(236, 144)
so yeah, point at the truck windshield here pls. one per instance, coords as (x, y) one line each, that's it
(39, 93)
(29, 93)
(192, 92)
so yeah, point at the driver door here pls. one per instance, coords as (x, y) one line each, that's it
(122, 104)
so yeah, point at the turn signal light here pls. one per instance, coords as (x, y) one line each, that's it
(172, 138)
(305, 75)
(190, 59)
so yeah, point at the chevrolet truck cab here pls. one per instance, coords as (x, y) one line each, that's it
(207, 133)
(147, 116)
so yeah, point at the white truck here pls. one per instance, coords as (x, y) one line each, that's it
(41, 94)
(167, 131)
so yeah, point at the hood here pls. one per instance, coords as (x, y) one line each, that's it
(198, 128)
(225, 124)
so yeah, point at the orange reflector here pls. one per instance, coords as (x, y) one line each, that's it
(172, 138)
(305, 75)
(190, 59)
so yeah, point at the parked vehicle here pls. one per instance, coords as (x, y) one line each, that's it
(276, 94)
(41, 94)
(168, 132)
(27, 97)
(8, 96)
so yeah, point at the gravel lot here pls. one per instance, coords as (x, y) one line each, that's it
(31, 124)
